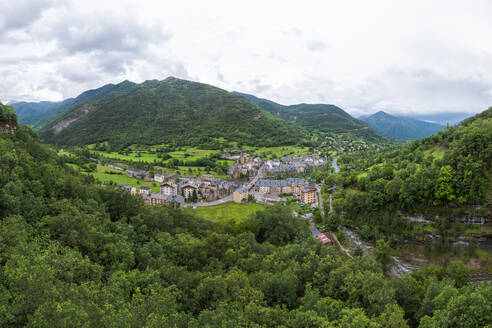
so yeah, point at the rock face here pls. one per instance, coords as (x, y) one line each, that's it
(8, 128)
(66, 122)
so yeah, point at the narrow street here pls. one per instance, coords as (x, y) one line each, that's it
(228, 198)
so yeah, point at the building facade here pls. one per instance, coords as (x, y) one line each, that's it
(168, 189)
(240, 195)
(308, 195)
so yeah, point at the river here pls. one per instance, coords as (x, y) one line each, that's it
(335, 165)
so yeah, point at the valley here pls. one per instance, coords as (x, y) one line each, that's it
(364, 171)
(358, 211)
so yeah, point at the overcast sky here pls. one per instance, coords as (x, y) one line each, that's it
(404, 57)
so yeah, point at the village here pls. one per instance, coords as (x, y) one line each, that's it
(251, 177)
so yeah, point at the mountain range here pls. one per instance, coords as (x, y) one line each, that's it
(401, 127)
(185, 112)
(317, 117)
(180, 111)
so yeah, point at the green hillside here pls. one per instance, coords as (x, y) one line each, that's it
(401, 127)
(169, 111)
(318, 117)
(75, 254)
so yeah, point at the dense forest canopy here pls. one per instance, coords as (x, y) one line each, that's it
(75, 254)
(168, 111)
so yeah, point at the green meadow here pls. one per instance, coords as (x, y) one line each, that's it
(227, 212)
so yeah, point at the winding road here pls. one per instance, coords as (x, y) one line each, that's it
(228, 198)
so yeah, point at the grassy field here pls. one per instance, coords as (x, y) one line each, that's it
(103, 174)
(193, 153)
(281, 151)
(65, 153)
(132, 156)
(185, 171)
(226, 212)
(147, 155)
(74, 166)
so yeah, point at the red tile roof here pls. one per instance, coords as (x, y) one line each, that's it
(323, 238)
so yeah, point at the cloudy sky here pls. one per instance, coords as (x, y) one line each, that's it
(405, 57)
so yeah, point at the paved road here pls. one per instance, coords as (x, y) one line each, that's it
(224, 200)
(250, 184)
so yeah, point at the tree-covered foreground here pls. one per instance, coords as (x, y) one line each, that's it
(74, 254)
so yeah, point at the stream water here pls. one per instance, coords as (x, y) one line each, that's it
(335, 165)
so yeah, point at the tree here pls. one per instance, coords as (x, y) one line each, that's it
(459, 273)
(277, 225)
(393, 317)
(444, 189)
(358, 252)
(356, 318)
(382, 254)
(468, 308)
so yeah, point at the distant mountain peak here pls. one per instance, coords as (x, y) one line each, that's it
(381, 112)
(400, 127)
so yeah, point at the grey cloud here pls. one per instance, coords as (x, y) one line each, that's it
(316, 46)
(21, 13)
(104, 33)
(220, 77)
(421, 91)
(90, 50)
(294, 31)
(102, 45)
(259, 86)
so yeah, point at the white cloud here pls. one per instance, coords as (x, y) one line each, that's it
(403, 57)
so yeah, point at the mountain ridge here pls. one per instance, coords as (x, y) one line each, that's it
(400, 127)
(172, 110)
(317, 117)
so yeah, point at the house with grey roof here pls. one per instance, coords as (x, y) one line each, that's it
(161, 199)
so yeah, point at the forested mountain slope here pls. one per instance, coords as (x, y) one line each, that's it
(74, 254)
(169, 111)
(42, 113)
(318, 117)
(35, 113)
(401, 127)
